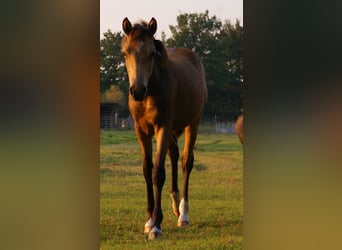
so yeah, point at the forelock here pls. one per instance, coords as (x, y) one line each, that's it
(140, 30)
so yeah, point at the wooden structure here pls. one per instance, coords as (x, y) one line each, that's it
(109, 116)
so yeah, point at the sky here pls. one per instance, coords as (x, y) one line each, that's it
(113, 12)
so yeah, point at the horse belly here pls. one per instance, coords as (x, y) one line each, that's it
(191, 93)
(188, 110)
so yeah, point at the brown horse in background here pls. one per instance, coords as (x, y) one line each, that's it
(167, 93)
(239, 127)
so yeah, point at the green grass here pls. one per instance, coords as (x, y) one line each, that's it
(215, 195)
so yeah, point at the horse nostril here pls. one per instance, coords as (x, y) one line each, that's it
(138, 93)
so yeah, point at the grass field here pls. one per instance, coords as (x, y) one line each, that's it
(215, 195)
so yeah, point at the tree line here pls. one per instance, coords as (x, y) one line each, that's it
(219, 45)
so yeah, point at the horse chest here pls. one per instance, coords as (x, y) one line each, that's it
(145, 114)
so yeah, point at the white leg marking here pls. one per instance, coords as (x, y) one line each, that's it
(183, 219)
(148, 226)
(155, 233)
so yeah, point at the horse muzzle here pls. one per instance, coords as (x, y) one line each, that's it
(138, 93)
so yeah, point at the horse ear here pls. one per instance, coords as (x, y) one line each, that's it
(152, 25)
(126, 26)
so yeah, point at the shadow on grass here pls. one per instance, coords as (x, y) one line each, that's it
(200, 167)
(206, 146)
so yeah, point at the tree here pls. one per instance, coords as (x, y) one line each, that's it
(112, 68)
(195, 31)
(113, 95)
(220, 48)
(227, 90)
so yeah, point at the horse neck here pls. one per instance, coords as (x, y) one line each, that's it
(158, 74)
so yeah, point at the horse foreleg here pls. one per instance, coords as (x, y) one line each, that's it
(187, 164)
(146, 148)
(158, 179)
(174, 191)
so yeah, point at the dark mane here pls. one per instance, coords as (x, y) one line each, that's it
(141, 24)
(140, 29)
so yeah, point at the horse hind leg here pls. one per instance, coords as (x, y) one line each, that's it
(183, 219)
(175, 199)
(187, 164)
(174, 191)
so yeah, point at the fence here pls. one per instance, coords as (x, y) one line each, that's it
(113, 122)
(225, 127)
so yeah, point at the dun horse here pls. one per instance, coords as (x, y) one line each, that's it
(239, 127)
(167, 92)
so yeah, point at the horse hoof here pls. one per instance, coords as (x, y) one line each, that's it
(155, 233)
(183, 223)
(148, 226)
(183, 219)
(147, 229)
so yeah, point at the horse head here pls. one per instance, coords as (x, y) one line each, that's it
(140, 50)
